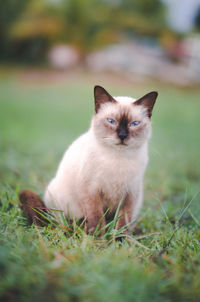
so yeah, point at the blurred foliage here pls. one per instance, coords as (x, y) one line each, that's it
(197, 21)
(10, 10)
(87, 24)
(29, 27)
(146, 17)
(38, 26)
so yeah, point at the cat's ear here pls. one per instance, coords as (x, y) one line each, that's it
(147, 101)
(101, 96)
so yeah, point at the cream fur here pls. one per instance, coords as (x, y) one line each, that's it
(95, 164)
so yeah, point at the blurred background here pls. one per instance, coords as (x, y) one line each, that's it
(138, 39)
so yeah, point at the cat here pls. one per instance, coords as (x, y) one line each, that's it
(105, 166)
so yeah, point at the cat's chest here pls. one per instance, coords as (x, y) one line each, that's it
(120, 169)
(116, 172)
(114, 184)
(115, 178)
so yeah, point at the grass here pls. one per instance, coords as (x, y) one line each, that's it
(160, 261)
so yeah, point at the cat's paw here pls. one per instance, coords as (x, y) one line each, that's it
(91, 230)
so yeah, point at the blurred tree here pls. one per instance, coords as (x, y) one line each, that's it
(10, 10)
(142, 17)
(35, 30)
(87, 24)
(197, 21)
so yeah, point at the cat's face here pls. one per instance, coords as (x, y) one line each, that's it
(122, 122)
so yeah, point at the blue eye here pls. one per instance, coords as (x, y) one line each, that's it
(134, 124)
(111, 121)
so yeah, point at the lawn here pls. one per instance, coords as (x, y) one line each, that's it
(160, 261)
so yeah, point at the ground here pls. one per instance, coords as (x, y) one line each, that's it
(41, 113)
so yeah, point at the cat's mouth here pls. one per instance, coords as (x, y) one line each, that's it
(121, 144)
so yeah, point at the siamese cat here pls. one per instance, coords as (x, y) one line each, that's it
(103, 167)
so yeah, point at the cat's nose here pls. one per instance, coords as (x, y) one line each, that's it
(122, 135)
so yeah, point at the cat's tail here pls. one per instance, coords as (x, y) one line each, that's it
(33, 207)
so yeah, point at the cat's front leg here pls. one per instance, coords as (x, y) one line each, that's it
(94, 213)
(126, 212)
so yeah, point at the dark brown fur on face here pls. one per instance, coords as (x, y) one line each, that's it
(122, 129)
(31, 204)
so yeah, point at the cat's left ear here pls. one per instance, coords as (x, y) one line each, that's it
(148, 101)
(101, 96)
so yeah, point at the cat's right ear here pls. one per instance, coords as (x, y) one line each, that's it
(101, 96)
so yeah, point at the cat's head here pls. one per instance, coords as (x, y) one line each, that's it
(122, 122)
